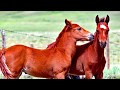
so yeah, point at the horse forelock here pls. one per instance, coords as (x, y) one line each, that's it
(102, 19)
(103, 25)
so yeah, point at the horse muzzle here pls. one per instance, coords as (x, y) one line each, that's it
(103, 44)
(91, 37)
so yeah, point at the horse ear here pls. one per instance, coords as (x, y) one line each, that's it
(97, 19)
(68, 23)
(107, 19)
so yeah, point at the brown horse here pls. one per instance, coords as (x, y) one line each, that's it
(47, 63)
(89, 59)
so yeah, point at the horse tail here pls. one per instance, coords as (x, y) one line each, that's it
(4, 68)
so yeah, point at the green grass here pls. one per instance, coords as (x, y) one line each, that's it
(113, 72)
(42, 21)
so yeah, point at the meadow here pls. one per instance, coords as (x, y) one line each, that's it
(40, 28)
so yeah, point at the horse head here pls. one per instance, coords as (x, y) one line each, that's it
(78, 32)
(102, 30)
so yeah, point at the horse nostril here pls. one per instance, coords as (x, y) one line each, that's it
(91, 37)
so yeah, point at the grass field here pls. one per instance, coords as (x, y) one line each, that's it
(52, 21)
(42, 27)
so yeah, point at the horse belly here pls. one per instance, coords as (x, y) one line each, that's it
(40, 71)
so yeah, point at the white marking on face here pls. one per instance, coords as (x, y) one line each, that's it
(103, 33)
(103, 26)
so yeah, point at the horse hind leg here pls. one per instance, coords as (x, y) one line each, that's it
(99, 76)
(14, 75)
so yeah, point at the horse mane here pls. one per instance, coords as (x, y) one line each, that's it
(59, 36)
(57, 39)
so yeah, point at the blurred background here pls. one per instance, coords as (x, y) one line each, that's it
(39, 28)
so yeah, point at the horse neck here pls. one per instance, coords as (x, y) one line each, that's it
(96, 45)
(67, 44)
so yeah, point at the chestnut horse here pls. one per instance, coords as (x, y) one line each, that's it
(47, 63)
(89, 59)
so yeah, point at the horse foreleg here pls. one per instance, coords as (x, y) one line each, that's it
(99, 76)
(88, 73)
(75, 77)
(72, 77)
(68, 76)
(60, 75)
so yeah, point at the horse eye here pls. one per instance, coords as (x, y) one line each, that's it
(79, 28)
